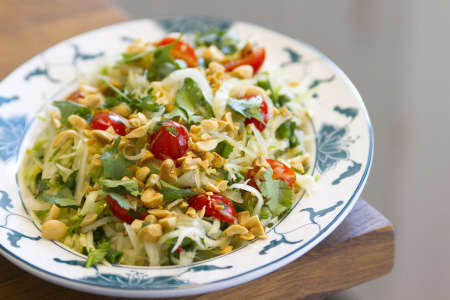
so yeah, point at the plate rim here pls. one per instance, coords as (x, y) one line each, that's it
(236, 279)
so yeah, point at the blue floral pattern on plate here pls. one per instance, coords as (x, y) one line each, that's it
(12, 131)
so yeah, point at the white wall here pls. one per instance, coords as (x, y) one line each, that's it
(398, 55)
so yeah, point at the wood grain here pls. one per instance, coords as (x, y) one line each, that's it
(360, 249)
(28, 27)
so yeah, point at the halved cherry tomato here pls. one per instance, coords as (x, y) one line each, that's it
(102, 121)
(280, 172)
(121, 213)
(255, 59)
(211, 202)
(170, 141)
(264, 114)
(181, 50)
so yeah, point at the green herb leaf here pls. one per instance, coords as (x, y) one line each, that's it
(171, 129)
(147, 104)
(113, 256)
(74, 224)
(121, 186)
(132, 57)
(187, 243)
(277, 193)
(135, 104)
(41, 214)
(224, 149)
(111, 102)
(121, 200)
(115, 166)
(247, 108)
(226, 41)
(189, 98)
(287, 130)
(97, 255)
(171, 192)
(278, 100)
(162, 64)
(62, 199)
(43, 186)
(68, 108)
(71, 182)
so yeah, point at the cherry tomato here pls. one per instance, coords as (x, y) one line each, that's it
(181, 50)
(170, 141)
(255, 59)
(121, 213)
(264, 114)
(280, 172)
(210, 202)
(103, 120)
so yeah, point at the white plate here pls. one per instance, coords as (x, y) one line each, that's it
(344, 146)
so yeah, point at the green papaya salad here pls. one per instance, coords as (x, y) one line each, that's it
(176, 152)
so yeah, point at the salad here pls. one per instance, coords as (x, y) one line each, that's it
(176, 152)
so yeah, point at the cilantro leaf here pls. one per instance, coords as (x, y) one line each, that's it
(147, 104)
(224, 149)
(43, 186)
(287, 131)
(74, 224)
(130, 186)
(226, 41)
(111, 101)
(71, 182)
(41, 214)
(162, 64)
(247, 108)
(189, 98)
(62, 199)
(136, 104)
(97, 255)
(121, 200)
(132, 57)
(113, 256)
(115, 166)
(171, 129)
(277, 193)
(68, 108)
(171, 192)
(103, 252)
(278, 100)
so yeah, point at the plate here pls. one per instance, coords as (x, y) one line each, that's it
(343, 155)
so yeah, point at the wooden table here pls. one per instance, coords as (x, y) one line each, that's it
(360, 249)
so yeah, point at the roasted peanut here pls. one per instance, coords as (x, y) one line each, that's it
(78, 122)
(151, 198)
(150, 233)
(243, 72)
(53, 230)
(168, 171)
(168, 222)
(235, 229)
(102, 136)
(63, 137)
(142, 173)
